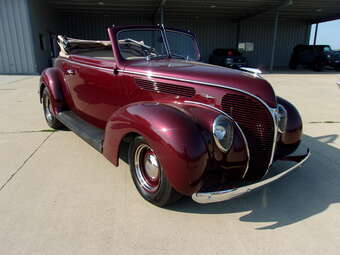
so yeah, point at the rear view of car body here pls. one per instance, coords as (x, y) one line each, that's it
(231, 58)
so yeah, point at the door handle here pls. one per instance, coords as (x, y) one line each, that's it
(70, 72)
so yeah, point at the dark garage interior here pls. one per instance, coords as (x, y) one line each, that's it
(272, 27)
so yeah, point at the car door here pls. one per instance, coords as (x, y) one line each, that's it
(95, 89)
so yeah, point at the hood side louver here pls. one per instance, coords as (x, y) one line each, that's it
(165, 88)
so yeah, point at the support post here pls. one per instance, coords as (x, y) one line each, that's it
(162, 14)
(272, 59)
(316, 33)
(237, 33)
(160, 9)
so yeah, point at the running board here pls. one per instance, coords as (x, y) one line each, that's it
(89, 133)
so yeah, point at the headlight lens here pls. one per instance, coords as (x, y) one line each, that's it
(223, 132)
(281, 118)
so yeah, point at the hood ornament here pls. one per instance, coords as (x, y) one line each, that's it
(255, 71)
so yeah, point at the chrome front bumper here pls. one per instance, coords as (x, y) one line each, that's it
(222, 195)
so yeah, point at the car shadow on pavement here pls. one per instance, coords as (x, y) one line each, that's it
(305, 192)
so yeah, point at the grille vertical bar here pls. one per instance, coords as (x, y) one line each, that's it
(258, 127)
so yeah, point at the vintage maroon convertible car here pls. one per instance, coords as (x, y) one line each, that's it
(192, 128)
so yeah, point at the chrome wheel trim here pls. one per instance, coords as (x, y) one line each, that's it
(48, 109)
(147, 168)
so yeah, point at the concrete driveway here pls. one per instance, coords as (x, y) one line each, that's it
(60, 196)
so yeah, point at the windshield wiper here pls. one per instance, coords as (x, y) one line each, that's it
(150, 56)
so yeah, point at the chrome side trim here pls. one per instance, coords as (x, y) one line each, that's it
(86, 65)
(218, 196)
(238, 127)
(197, 82)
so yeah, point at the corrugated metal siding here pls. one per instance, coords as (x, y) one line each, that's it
(261, 34)
(211, 34)
(16, 49)
(44, 22)
(93, 27)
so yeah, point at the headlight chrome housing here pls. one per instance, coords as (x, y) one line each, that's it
(281, 118)
(223, 132)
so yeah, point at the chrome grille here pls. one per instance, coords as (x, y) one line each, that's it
(257, 124)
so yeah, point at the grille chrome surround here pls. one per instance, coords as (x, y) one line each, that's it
(259, 126)
(165, 88)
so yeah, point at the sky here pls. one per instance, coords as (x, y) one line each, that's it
(328, 33)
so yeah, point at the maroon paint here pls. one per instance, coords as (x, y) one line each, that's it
(294, 124)
(52, 79)
(173, 136)
(179, 132)
(181, 144)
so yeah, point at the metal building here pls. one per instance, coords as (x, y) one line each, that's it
(271, 27)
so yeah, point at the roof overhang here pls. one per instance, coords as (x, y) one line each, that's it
(312, 11)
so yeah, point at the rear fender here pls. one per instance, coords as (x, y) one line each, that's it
(173, 135)
(52, 78)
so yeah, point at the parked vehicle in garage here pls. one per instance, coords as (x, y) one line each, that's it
(193, 129)
(316, 57)
(231, 58)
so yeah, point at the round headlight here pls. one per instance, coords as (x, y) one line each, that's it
(223, 132)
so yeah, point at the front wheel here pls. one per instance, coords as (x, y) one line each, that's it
(148, 175)
(48, 111)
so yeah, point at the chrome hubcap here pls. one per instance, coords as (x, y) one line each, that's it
(151, 166)
(147, 168)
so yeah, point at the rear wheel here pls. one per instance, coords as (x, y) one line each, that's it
(318, 66)
(148, 175)
(48, 111)
(293, 64)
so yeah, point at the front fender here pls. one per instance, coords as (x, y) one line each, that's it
(174, 136)
(290, 139)
(52, 78)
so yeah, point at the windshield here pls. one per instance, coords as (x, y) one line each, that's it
(139, 44)
(150, 43)
(182, 45)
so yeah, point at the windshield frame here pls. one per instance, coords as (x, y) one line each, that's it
(117, 52)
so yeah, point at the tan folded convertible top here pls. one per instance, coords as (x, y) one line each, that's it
(70, 46)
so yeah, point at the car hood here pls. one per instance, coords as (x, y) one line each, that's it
(201, 72)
